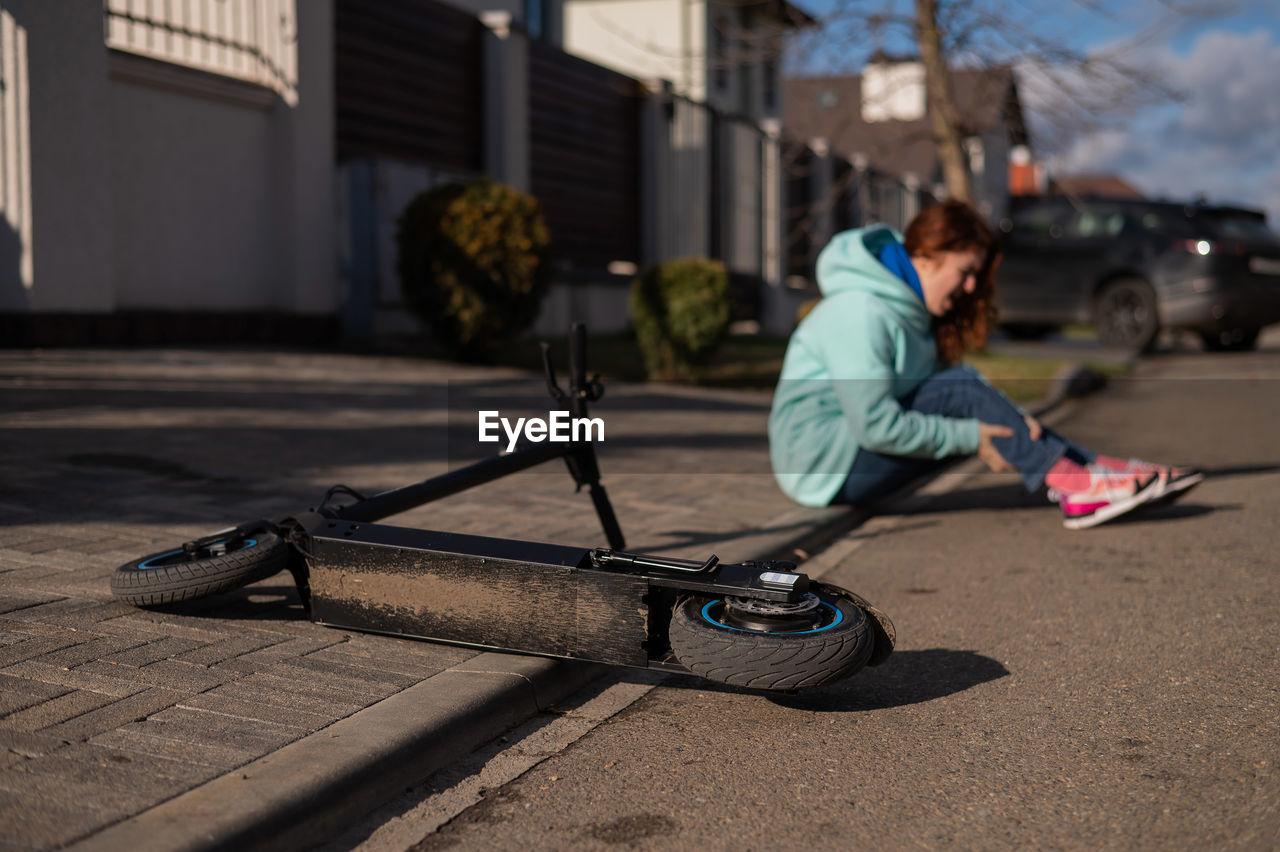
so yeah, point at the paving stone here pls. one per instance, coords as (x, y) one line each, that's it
(45, 544)
(34, 647)
(64, 796)
(15, 537)
(325, 679)
(255, 688)
(226, 649)
(11, 601)
(155, 624)
(18, 693)
(255, 710)
(107, 544)
(55, 710)
(161, 649)
(30, 743)
(98, 764)
(150, 738)
(36, 628)
(333, 669)
(92, 649)
(34, 823)
(202, 726)
(76, 678)
(74, 612)
(187, 678)
(120, 712)
(394, 659)
(289, 649)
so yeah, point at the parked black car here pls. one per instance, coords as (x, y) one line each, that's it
(1131, 267)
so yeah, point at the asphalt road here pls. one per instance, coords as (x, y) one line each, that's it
(1113, 688)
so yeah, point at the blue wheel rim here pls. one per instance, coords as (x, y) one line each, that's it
(706, 616)
(158, 561)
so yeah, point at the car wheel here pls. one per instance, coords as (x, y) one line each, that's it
(1235, 340)
(1126, 314)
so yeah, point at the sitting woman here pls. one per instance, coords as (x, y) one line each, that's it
(872, 393)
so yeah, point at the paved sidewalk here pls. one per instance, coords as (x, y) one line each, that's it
(110, 712)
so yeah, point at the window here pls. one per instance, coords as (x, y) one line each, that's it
(250, 40)
(1040, 220)
(1230, 224)
(1093, 223)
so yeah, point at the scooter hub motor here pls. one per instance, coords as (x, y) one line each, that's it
(772, 616)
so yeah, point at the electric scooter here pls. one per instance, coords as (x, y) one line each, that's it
(763, 625)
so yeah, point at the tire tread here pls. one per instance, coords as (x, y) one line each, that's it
(168, 584)
(776, 661)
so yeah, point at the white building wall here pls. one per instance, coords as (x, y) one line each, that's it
(893, 91)
(70, 191)
(646, 39)
(197, 202)
(159, 187)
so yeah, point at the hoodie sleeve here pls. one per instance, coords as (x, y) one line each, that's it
(861, 356)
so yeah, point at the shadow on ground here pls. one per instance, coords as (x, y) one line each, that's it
(908, 677)
(275, 599)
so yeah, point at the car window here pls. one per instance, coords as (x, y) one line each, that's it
(1038, 221)
(1166, 222)
(1092, 223)
(1238, 226)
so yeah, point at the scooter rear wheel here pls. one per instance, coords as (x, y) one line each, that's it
(173, 576)
(718, 640)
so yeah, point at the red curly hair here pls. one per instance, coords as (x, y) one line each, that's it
(955, 226)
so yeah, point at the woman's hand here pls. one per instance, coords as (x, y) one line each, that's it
(987, 451)
(1034, 427)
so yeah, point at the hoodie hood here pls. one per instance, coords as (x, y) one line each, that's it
(850, 263)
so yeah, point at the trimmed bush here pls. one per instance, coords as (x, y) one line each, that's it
(680, 310)
(474, 264)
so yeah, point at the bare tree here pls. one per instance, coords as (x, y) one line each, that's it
(944, 117)
(1074, 90)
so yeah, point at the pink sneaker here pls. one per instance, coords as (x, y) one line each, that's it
(1174, 481)
(1110, 494)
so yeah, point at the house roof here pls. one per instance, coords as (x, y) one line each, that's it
(1095, 186)
(783, 11)
(831, 108)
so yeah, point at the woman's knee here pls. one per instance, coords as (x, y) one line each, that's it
(961, 391)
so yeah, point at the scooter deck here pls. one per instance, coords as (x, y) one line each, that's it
(530, 597)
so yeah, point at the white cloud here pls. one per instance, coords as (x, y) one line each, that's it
(1230, 80)
(1222, 139)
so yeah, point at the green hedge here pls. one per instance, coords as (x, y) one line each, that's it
(680, 311)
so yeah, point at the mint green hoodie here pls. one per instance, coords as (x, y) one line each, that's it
(865, 346)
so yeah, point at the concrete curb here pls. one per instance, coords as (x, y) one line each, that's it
(305, 793)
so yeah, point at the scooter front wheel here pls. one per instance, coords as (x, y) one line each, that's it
(819, 640)
(173, 576)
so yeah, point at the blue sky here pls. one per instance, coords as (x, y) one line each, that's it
(1219, 136)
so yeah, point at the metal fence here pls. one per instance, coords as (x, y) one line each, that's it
(828, 193)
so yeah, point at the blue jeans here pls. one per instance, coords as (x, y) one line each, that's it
(960, 392)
